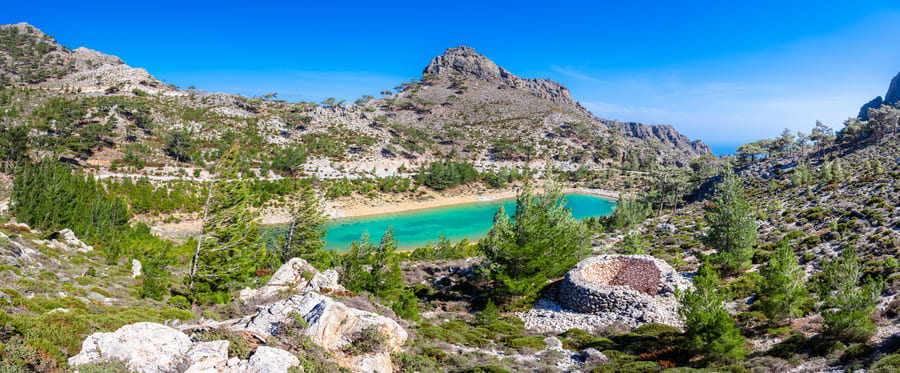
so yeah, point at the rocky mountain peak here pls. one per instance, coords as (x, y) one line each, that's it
(25, 28)
(893, 93)
(465, 60)
(891, 97)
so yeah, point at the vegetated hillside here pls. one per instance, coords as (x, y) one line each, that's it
(122, 116)
(792, 297)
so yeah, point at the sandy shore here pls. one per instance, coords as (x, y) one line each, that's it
(355, 206)
(362, 206)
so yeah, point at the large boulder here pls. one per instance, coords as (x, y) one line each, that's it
(208, 357)
(295, 275)
(144, 347)
(331, 325)
(272, 360)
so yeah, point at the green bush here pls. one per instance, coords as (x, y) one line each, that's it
(708, 327)
(889, 364)
(533, 342)
(179, 301)
(745, 285)
(857, 351)
(487, 369)
(412, 362)
(655, 329)
(109, 366)
(369, 339)
(541, 241)
(639, 367)
(848, 302)
(793, 235)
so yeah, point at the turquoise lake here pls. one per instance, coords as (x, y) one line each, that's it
(414, 229)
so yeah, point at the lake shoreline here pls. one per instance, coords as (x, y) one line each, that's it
(354, 208)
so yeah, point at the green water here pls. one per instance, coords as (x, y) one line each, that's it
(414, 229)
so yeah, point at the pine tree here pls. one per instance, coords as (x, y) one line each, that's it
(847, 302)
(305, 235)
(732, 228)
(782, 290)
(541, 241)
(355, 276)
(708, 327)
(386, 277)
(229, 249)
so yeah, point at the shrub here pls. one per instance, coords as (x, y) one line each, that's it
(109, 366)
(541, 241)
(369, 339)
(488, 314)
(782, 289)
(411, 362)
(888, 364)
(237, 346)
(487, 369)
(533, 342)
(847, 303)
(708, 327)
(732, 228)
(856, 351)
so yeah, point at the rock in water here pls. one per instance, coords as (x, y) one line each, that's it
(144, 347)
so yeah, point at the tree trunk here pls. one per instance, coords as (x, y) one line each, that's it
(662, 196)
(196, 257)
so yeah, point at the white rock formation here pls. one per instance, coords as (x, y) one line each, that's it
(272, 360)
(73, 242)
(136, 268)
(332, 325)
(208, 357)
(293, 276)
(144, 347)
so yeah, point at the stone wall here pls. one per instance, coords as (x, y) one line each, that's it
(639, 288)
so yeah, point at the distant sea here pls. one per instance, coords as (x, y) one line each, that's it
(724, 148)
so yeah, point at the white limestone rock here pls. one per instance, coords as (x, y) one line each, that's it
(208, 357)
(144, 347)
(331, 325)
(296, 275)
(136, 268)
(272, 360)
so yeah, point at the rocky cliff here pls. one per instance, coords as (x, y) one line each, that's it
(891, 97)
(666, 135)
(465, 61)
(31, 57)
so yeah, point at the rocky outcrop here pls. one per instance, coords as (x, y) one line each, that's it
(864, 110)
(665, 135)
(893, 94)
(891, 97)
(465, 61)
(298, 276)
(332, 325)
(272, 360)
(208, 357)
(149, 347)
(65, 240)
(144, 347)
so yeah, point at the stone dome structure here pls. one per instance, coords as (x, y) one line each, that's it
(636, 289)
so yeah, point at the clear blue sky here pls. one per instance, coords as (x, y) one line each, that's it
(724, 72)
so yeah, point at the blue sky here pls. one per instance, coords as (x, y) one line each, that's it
(723, 72)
